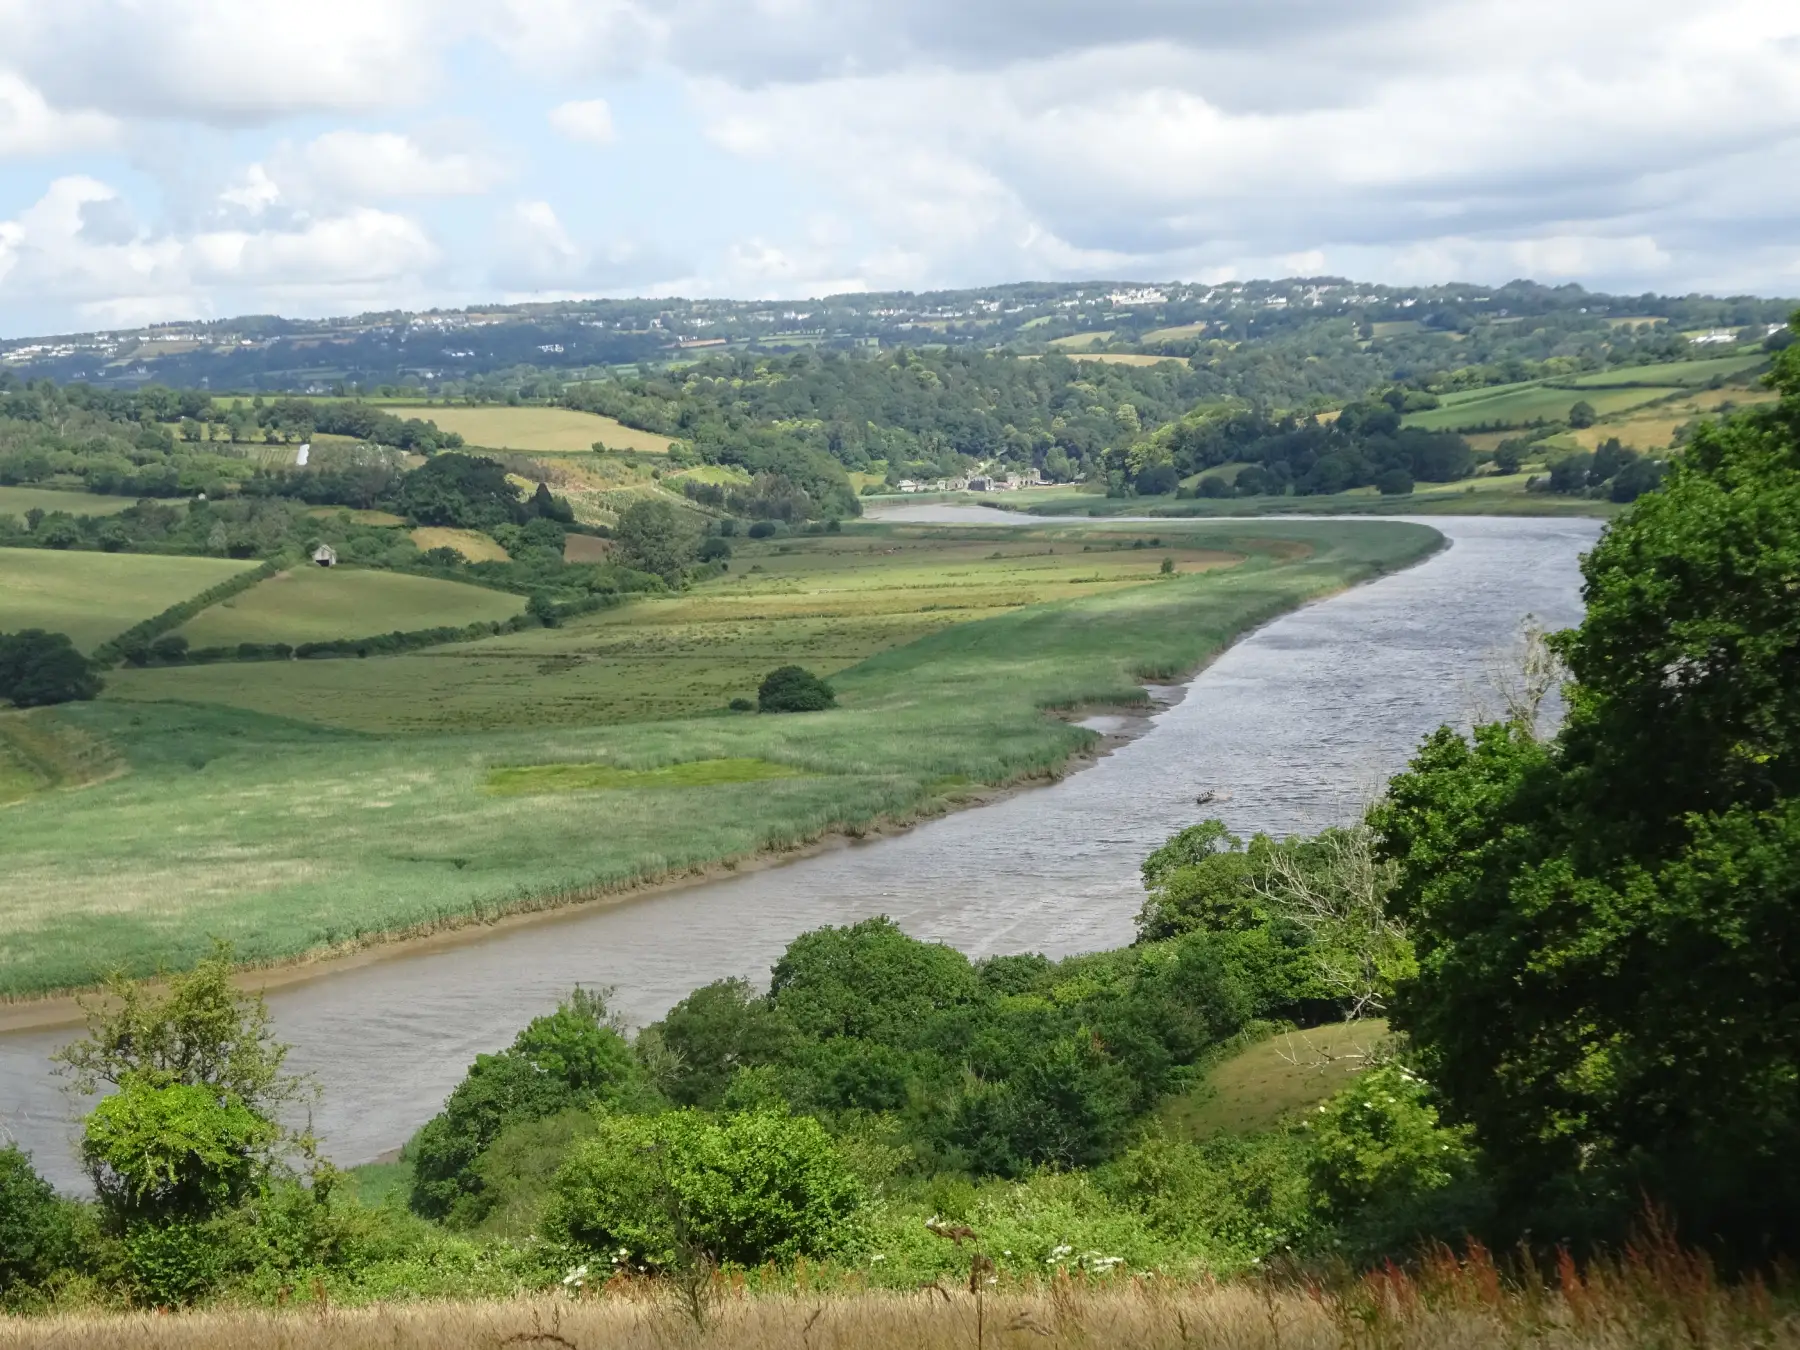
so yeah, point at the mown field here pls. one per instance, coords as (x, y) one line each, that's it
(95, 596)
(1674, 372)
(16, 501)
(313, 604)
(827, 602)
(540, 430)
(1534, 403)
(287, 835)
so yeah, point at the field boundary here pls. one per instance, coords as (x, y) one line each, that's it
(112, 651)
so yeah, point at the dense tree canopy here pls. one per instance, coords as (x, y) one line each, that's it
(1606, 921)
(39, 668)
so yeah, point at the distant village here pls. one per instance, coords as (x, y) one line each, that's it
(980, 482)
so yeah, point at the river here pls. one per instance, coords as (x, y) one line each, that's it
(1293, 729)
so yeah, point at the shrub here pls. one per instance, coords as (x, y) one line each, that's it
(741, 705)
(172, 1264)
(39, 668)
(744, 1189)
(794, 689)
(181, 1150)
(1394, 483)
(763, 529)
(29, 1225)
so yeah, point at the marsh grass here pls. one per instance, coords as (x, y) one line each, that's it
(540, 778)
(287, 838)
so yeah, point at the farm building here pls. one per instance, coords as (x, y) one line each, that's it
(325, 555)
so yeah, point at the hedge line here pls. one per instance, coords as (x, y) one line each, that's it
(110, 653)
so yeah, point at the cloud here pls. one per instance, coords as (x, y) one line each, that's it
(30, 126)
(587, 120)
(535, 254)
(380, 166)
(79, 244)
(229, 62)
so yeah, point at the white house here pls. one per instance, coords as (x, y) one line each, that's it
(325, 555)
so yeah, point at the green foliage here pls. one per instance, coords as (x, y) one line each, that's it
(654, 537)
(468, 492)
(172, 1264)
(565, 1059)
(35, 1236)
(1379, 1141)
(1582, 414)
(38, 669)
(794, 689)
(716, 1031)
(1603, 920)
(867, 980)
(741, 1188)
(158, 1153)
(200, 1031)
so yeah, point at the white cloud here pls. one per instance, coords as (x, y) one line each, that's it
(118, 273)
(377, 166)
(229, 61)
(30, 126)
(588, 120)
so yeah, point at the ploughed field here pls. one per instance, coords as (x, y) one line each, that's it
(292, 806)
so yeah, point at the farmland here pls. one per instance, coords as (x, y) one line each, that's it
(277, 805)
(16, 501)
(1675, 372)
(472, 544)
(95, 596)
(314, 604)
(539, 430)
(1524, 405)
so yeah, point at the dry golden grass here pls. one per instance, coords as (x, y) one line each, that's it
(1121, 358)
(472, 544)
(1390, 1310)
(539, 430)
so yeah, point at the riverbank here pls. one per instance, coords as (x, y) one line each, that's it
(297, 842)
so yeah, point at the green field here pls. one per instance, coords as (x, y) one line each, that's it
(1274, 1078)
(1674, 373)
(315, 604)
(16, 501)
(96, 596)
(1487, 495)
(826, 602)
(538, 430)
(286, 835)
(1522, 405)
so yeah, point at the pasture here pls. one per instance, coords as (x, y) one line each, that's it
(1257, 1086)
(1654, 428)
(1075, 341)
(1121, 358)
(285, 832)
(16, 501)
(539, 430)
(472, 544)
(1674, 372)
(96, 596)
(825, 602)
(1520, 406)
(315, 604)
(1178, 333)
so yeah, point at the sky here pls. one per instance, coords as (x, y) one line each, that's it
(178, 159)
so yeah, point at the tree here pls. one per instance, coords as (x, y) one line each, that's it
(170, 1151)
(1394, 483)
(654, 537)
(1581, 415)
(1605, 921)
(868, 979)
(794, 689)
(32, 1238)
(744, 1188)
(39, 668)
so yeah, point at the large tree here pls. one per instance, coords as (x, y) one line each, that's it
(1608, 922)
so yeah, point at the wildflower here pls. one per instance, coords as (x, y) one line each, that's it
(576, 1277)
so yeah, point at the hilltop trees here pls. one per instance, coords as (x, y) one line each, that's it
(1606, 922)
(654, 537)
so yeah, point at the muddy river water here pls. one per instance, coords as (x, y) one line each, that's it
(1291, 729)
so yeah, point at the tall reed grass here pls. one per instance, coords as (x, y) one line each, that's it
(1654, 1296)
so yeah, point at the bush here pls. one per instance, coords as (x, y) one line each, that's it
(1394, 483)
(741, 705)
(740, 1189)
(569, 1058)
(158, 1153)
(30, 1226)
(170, 1265)
(715, 549)
(39, 668)
(764, 529)
(794, 689)
(1582, 415)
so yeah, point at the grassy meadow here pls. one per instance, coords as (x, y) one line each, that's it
(538, 430)
(1652, 1299)
(1534, 403)
(296, 806)
(96, 596)
(472, 544)
(316, 604)
(16, 501)
(1486, 495)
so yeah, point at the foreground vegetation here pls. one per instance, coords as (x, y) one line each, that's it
(279, 833)
(1579, 939)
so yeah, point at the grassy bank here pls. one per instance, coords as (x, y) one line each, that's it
(288, 836)
(1651, 1300)
(1489, 496)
